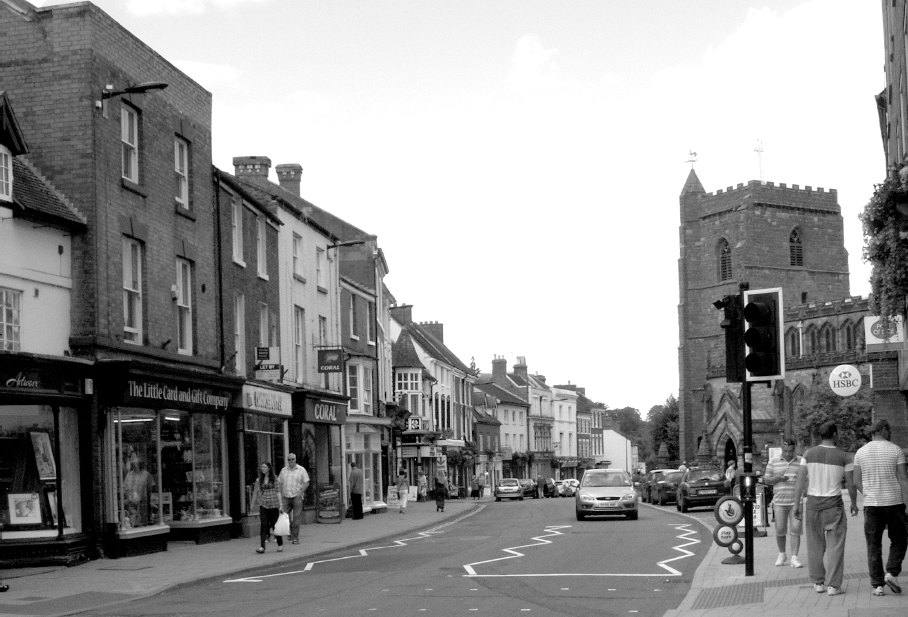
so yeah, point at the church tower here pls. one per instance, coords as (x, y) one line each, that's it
(761, 233)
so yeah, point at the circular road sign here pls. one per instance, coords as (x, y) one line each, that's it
(736, 547)
(845, 380)
(729, 510)
(725, 535)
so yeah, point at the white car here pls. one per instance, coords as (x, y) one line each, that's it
(508, 488)
(569, 487)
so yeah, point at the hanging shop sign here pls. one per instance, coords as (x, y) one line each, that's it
(330, 361)
(268, 363)
(160, 394)
(845, 380)
(884, 333)
(256, 398)
(325, 412)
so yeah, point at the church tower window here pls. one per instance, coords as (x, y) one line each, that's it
(724, 251)
(795, 248)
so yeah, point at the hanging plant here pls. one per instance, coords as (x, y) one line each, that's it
(886, 246)
(531, 458)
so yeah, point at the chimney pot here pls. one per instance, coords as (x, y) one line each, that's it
(252, 168)
(289, 176)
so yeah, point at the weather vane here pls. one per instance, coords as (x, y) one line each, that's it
(759, 150)
(692, 159)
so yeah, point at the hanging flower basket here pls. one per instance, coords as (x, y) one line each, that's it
(885, 222)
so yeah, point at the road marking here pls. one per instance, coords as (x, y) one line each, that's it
(553, 529)
(363, 552)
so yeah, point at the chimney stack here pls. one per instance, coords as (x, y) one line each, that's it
(252, 168)
(403, 313)
(436, 329)
(521, 368)
(289, 176)
(500, 371)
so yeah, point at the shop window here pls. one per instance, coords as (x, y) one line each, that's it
(32, 472)
(10, 301)
(365, 449)
(263, 442)
(192, 464)
(138, 497)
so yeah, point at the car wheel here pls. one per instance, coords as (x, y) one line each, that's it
(681, 505)
(580, 516)
(632, 516)
(661, 499)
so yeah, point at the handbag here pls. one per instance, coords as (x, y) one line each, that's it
(282, 526)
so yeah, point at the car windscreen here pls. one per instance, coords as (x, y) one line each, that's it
(704, 474)
(674, 476)
(509, 482)
(605, 479)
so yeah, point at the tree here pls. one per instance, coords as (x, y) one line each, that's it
(632, 426)
(852, 415)
(663, 426)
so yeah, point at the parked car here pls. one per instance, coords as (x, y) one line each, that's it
(649, 483)
(606, 491)
(529, 487)
(549, 489)
(569, 487)
(509, 488)
(700, 486)
(667, 488)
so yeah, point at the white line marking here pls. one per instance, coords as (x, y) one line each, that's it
(553, 529)
(363, 552)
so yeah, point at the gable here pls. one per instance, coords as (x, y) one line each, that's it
(10, 133)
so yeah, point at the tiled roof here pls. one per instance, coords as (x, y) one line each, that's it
(37, 199)
(503, 394)
(259, 199)
(434, 347)
(403, 352)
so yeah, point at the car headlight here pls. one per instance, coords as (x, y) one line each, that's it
(629, 497)
(586, 497)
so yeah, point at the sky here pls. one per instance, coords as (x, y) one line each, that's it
(521, 161)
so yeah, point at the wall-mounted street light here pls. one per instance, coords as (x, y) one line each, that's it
(109, 92)
(348, 243)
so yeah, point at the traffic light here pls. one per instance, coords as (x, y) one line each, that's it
(734, 337)
(763, 347)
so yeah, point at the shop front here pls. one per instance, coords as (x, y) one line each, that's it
(45, 460)
(165, 449)
(364, 437)
(258, 435)
(315, 433)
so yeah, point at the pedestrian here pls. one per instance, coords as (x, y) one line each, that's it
(356, 491)
(441, 486)
(820, 476)
(782, 475)
(293, 482)
(540, 487)
(422, 486)
(879, 473)
(730, 473)
(474, 487)
(403, 490)
(683, 467)
(266, 495)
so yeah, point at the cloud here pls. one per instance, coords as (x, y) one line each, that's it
(181, 7)
(533, 66)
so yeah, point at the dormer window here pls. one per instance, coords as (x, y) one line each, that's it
(6, 174)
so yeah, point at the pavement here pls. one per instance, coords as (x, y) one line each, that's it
(717, 589)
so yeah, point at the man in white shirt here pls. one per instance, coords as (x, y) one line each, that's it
(292, 483)
(880, 474)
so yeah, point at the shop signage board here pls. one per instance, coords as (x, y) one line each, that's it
(162, 394)
(408, 451)
(324, 411)
(256, 398)
(328, 503)
(884, 333)
(268, 363)
(330, 361)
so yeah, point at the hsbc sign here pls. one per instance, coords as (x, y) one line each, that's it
(845, 380)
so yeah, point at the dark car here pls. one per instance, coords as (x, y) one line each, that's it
(549, 489)
(666, 489)
(529, 487)
(649, 483)
(700, 486)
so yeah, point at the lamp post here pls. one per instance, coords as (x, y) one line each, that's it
(109, 92)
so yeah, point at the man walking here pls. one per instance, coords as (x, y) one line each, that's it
(356, 491)
(820, 475)
(782, 475)
(879, 473)
(292, 483)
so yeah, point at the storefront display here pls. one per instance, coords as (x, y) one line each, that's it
(316, 432)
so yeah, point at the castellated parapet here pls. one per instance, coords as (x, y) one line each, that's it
(765, 193)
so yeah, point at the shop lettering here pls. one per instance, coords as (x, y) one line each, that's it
(325, 412)
(263, 400)
(163, 392)
(845, 383)
(21, 381)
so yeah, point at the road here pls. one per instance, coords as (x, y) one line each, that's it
(506, 558)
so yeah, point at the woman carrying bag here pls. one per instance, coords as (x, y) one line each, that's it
(403, 490)
(269, 506)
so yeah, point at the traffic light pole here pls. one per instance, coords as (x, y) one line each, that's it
(748, 468)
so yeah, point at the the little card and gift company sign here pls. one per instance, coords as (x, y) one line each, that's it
(158, 393)
(254, 398)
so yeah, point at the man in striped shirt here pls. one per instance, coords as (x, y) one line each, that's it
(822, 470)
(781, 475)
(879, 473)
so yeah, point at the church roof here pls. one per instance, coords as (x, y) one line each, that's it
(692, 184)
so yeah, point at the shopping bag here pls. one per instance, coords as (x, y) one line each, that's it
(282, 526)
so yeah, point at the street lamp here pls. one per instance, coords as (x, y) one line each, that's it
(142, 88)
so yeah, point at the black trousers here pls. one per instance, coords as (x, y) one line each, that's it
(267, 519)
(356, 504)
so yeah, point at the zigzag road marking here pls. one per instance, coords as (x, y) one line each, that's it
(471, 572)
(363, 552)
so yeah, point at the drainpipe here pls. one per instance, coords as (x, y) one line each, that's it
(218, 259)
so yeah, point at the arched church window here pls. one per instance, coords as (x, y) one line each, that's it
(811, 344)
(827, 339)
(792, 343)
(847, 331)
(724, 250)
(859, 335)
(796, 248)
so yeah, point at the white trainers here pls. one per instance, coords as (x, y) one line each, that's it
(878, 591)
(795, 562)
(834, 591)
(780, 560)
(893, 583)
(819, 587)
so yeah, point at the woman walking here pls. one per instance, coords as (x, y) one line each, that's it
(269, 505)
(403, 490)
(441, 487)
(474, 487)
